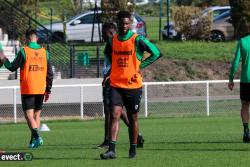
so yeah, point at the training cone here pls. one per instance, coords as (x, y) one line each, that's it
(44, 128)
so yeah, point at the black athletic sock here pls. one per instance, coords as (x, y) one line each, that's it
(112, 146)
(106, 141)
(31, 138)
(246, 129)
(35, 133)
(133, 148)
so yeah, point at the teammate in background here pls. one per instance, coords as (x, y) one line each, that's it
(243, 53)
(35, 82)
(2, 57)
(125, 52)
(108, 30)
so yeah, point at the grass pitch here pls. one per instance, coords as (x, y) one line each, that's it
(199, 141)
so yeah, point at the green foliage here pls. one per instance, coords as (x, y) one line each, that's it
(27, 6)
(190, 22)
(219, 2)
(240, 17)
(110, 7)
(14, 24)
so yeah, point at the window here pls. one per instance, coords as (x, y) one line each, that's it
(88, 19)
(219, 12)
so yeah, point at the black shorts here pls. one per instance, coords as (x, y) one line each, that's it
(32, 102)
(106, 93)
(130, 98)
(245, 91)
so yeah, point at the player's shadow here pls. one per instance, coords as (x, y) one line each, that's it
(196, 142)
(57, 158)
(190, 146)
(197, 149)
(55, 147)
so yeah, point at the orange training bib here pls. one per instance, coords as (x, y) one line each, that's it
(33, 75)
(125, 68)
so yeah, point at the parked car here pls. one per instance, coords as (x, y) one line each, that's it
(172, 33)
(79, 27)
(141, 2)
(221, 26)
(215, 10)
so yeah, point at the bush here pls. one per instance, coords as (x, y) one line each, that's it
(189, 22)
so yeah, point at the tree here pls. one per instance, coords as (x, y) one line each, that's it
(27, 6)
(219, 2)
(240, 15)
(110, 7)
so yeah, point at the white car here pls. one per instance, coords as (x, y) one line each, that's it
(145, 2)
(79, 28)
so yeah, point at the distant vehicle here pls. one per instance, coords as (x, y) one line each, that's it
(79, 27)
(141, 2)
(145, 2)
(217, 30)
(172, 33)
(222, 28)
(215, 10)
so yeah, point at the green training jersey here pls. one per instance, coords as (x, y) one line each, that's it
(242, 53)
(1, 47)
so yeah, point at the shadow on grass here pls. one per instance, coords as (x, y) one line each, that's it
(197, 149)
(58, 158)
(196, 142)
(190, 146)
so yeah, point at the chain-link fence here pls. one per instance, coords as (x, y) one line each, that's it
(190, 98)
(160, 99)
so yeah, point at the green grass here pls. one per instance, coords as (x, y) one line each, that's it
(198, 50)
(201, 141)
(44, 12)
(152, 24)
(193, 108)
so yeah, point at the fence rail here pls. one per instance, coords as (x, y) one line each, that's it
(159, 99)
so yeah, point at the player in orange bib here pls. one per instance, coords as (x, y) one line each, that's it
(125, 52)
(35, 82)
(2, 56)
(108, 30)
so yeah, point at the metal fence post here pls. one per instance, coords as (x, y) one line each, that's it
(81, 101)
(146, 100)
(14, 104)
(208, 107)
(98, 59)
(160, 17)
(51, 19)
(72, 54)
(16, 72)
